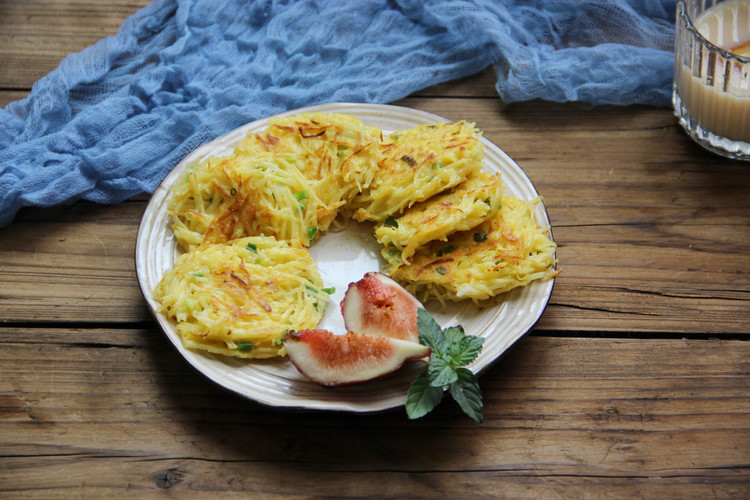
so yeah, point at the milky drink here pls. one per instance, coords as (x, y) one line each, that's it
(716, 90)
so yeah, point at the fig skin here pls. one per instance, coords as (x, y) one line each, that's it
(378, 305)
(339, 360)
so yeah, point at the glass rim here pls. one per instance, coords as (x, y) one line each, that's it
(683, 14)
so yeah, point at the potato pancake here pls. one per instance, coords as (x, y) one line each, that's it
(235, 196)
(337, 153)
(506, 251)
(239, 299)
(469, 204)
(418, 163)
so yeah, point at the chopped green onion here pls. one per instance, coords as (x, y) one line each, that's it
(198, 274)
(311, 232)
(391, 221)
(441, 270)
(479, 237)
(252, 247)
(330, 291)
(446, 250)
(245, 346)
(233, 191)
(301, 196)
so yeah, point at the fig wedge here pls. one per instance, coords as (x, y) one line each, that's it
(333, 360)
(378, 305)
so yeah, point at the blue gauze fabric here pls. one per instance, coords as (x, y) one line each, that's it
(111, 121)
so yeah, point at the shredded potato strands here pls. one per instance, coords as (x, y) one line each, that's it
(226, 198)
(337, 153)
(419, 163)
(466, 206)
(239, 299)
(448, 231)
(507, 251)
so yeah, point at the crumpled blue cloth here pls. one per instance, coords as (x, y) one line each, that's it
(112, 120)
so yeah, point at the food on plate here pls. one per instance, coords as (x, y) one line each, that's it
(418, 163)
(221, 199)
(336, 153)
(245, 220)
(467, 205)
(377, 305)
(332, 360)
(506, 251)
(240, 298)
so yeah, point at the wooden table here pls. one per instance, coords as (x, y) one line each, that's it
(635, 382)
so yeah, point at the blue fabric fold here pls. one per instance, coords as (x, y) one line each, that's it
(112, 120)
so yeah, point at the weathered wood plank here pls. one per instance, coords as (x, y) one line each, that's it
(36, 35)
(8, 96)
(75, 265)
(91, 411)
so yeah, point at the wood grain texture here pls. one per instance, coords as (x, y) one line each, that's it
(36, 35)
(9, 96)
(94, 410)
(634, 383)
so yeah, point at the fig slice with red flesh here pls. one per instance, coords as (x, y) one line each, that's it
(378, 305)
(333, 360)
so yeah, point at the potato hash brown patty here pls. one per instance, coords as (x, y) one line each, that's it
(240, 298)
(507, 251)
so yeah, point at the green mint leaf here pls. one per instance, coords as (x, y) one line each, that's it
(441, 372)
(465, 391)
(451, 349)
(453, 334)
(465, 350)
(421, 397)
(430, 333)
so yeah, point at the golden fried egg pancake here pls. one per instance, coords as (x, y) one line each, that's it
(231, 197)
(504, 252)
(239, 299)
(418, 163)
(466, 206)
(337, 153)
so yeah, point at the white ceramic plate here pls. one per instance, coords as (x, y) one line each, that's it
(342, 257)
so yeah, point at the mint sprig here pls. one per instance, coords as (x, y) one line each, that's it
(452, 349)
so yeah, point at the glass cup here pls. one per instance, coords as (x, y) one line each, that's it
(711, 89)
